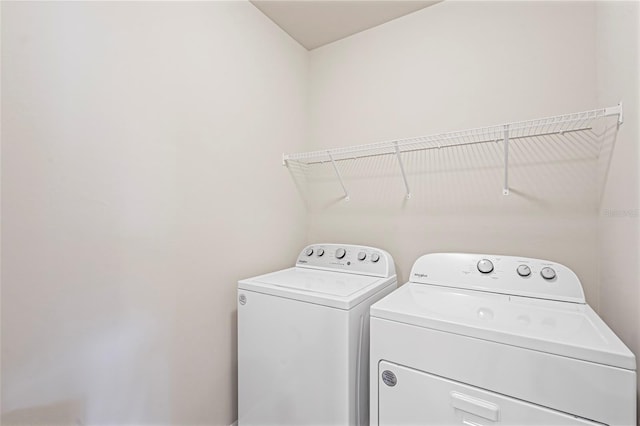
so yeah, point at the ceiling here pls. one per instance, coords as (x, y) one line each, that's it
(314, 23)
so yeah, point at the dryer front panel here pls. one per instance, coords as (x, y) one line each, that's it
(412, 397)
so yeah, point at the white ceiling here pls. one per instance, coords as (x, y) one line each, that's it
(314, 23)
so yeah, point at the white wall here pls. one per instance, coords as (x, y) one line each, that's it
(140, 180)
(454, 66)
(618, 30)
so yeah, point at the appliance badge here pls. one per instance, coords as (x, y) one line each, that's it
(242, 299)
(389, 378)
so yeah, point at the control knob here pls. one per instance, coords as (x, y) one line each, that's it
(485, 266)
(340, 253)
(320, 252)
(523, 270)
(309, 251)
(362, 255)
(375, 257)
(548, 273)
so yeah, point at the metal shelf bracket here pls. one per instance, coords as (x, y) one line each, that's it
(505, 188)
(335, 167)
(616, 110)
(404, 175)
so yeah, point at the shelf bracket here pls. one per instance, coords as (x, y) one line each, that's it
(335, 168)
(404, 175)
(616, 110)
(505, 189)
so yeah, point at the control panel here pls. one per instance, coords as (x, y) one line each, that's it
(347, 258)
(518, 276)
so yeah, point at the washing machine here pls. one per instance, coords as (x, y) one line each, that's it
(484, 340)
(303, 337)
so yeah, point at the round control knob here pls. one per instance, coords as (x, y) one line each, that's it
(362, 255)
(340, 253)
(375, 257)
(320, 252)
(485, 266)
(524, 270)
(309, 251)
(548, 273)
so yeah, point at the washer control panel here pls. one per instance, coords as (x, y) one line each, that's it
(518, 276)
(347, 258)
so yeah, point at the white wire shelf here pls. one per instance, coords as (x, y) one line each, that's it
(559, 124)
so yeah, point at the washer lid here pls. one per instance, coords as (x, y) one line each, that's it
(567, 329)
(335, 289)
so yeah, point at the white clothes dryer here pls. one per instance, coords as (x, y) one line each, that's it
(485, 340)
(303, 337)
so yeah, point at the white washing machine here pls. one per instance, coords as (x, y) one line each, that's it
(303, 337)
(484, 340)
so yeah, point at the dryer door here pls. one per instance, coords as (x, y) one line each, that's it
(411, 397)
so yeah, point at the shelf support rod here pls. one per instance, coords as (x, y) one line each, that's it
(344, 188)
(505, 189)
(404, 175)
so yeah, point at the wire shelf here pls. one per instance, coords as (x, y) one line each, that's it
(559, 124)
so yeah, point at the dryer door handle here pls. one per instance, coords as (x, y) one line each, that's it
(478, 407)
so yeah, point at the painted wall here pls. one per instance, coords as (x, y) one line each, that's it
(140, 179)
(618, 30)
(455, 66)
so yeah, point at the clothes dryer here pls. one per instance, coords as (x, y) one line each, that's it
(303, 337)
(485, 340)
